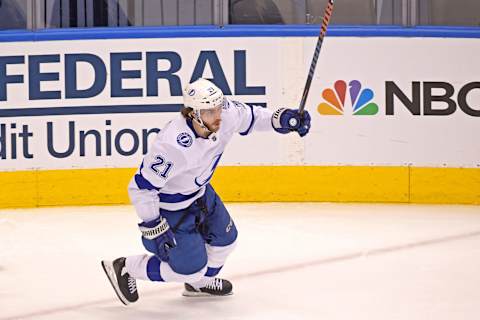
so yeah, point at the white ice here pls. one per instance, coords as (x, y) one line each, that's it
(293, 261)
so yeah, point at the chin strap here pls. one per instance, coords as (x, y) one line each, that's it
(195, 115)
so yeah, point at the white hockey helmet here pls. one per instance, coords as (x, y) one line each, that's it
(202, 94)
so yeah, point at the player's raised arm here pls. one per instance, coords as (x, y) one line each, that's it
(255, 118)
(249, 118)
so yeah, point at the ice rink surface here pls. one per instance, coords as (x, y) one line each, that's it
(293, 261)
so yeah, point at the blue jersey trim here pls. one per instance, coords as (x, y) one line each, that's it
(211, 272)
(175, 198)
(153, 269)
(237, 31)
(55, 111)
(215, 164)
(244, 133)
(142, 182)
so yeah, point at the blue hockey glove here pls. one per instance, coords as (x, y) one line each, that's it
(287, 120)
(157, 237)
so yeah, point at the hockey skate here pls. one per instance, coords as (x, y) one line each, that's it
(215, 287)
(125, 286)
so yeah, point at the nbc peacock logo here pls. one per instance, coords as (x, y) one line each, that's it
(361, 99)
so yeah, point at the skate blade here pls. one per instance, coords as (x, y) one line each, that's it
(112, 277)
(193, 294)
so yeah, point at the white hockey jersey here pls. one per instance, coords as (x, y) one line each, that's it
(179, 163)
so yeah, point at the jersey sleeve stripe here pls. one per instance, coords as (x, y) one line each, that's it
(177, 197)
(143, 183)
(244, 133)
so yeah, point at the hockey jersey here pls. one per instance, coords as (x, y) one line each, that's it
(180, 163)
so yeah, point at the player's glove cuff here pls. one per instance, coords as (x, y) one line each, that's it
(158, 237)
(285, 120)
(151, 230)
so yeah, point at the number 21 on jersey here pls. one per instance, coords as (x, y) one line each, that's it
(161, 167)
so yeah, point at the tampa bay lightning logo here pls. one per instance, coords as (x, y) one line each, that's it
(184, 139)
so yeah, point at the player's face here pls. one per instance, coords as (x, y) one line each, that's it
(212, 118)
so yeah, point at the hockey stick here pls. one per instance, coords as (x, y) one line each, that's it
(326, 19)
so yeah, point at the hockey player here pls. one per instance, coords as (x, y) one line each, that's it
(184, 222)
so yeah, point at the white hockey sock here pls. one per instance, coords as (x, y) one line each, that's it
(218, 255)
(137, 266)
(202, 282)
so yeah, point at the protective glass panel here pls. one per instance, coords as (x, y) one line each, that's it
(84, 13)
(450, 13)
(260, 12)
(121, 13)
(166, 12)
(346, 12)
(309, 11)
(13, 14)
